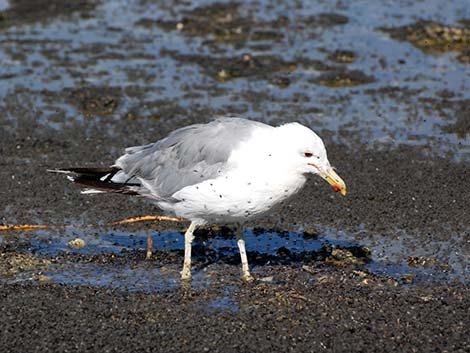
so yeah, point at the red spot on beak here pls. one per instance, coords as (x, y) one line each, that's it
(336, 188)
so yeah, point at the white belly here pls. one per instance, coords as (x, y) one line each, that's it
(234, 198)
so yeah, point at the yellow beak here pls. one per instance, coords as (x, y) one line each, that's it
(334, 180)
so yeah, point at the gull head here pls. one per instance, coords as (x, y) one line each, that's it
(305, 153)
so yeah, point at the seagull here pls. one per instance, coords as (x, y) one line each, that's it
(227, 171)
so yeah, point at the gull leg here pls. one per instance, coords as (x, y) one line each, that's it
(144, 219)
(148, 256)
(188, 240)
(246, 276)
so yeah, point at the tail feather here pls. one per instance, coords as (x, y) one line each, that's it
(98, 180)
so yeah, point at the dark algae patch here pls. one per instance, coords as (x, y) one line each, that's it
(236, 24)
(21, 11)
(15, 264)
(343, 56)
(461, 126)
(340, 257)
(455, 112)
(219, 20)
(325, 20)
(434, 37)
(343, 78)
(263, 67)
(95, 100)
(223, 22)
(243, 66)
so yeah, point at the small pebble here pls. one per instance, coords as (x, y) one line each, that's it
(43, 278)
(223, 74)
(267, 279)
(76, 243)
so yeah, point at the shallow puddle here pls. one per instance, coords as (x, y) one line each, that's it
(117, 258)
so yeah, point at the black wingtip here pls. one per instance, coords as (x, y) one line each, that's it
(100, 171)
(104, 185)
(96, 179)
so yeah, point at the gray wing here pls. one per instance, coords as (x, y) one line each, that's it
(187, 156)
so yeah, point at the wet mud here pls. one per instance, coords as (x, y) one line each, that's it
(385, 268)
(367, 314)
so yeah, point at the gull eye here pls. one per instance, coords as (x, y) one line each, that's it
(308, 154)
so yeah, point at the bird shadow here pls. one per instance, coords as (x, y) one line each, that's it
(274, 249)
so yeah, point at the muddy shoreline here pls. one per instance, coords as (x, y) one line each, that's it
(338, 309)
(332, 311)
